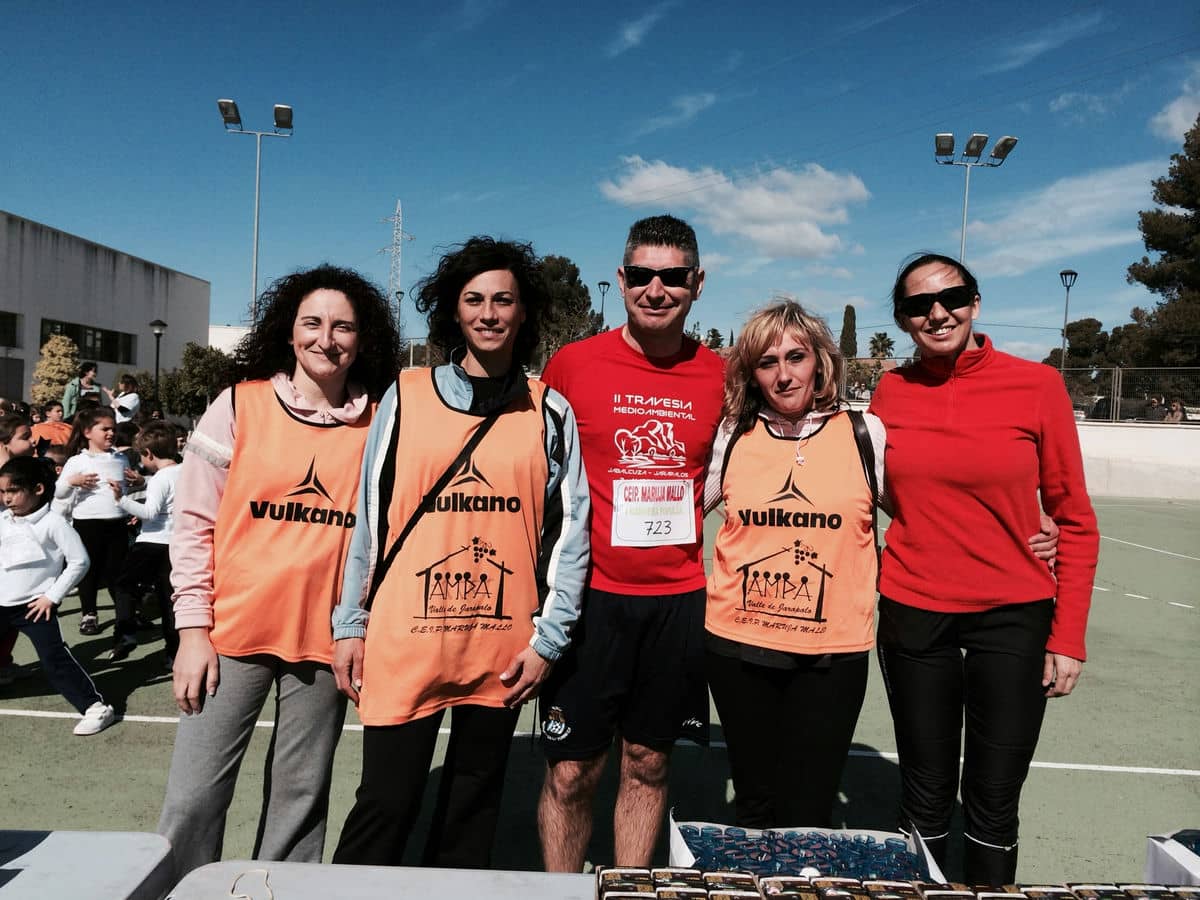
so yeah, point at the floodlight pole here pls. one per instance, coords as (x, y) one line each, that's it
(943, 154)
(283, 129)
(1067, 276)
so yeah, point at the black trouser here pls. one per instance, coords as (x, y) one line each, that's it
(395, 769)
(107, 543)
(63, 671)
(148, 566)
(788, 731)
(935, 666)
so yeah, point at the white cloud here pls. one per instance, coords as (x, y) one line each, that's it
(632, 33)
(1068, 219)
(1034, 350)
(819, 270)
(683, 110)
(1174, 119)
(782, 213)
(1081, 106)
(1043, 41)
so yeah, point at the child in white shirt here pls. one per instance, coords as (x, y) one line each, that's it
(41, 558)
(149, 562)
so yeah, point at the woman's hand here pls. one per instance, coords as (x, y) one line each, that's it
(348, 666)
(524, 676)
(196, 669)
(86, 480)
(39, 609)
(1060, 674)
(1044, 544)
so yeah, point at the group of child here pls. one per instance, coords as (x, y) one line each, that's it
(66, 525)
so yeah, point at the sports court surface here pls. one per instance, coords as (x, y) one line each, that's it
(1118, 760)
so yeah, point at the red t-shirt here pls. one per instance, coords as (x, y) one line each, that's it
(969, 450)
(646, 426)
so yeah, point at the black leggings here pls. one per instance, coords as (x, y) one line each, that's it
(989, 664)
(107, 543)
(788, 731)
(395, 768)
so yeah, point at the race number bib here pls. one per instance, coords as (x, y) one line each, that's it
(653, 512)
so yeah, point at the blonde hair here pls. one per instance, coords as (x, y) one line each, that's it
(743, 399)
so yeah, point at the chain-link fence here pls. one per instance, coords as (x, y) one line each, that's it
(863, 374)
(1135, 395)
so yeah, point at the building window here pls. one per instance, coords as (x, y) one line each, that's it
(98, 344)
(10, 329)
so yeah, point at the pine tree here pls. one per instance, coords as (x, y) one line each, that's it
(58, 364)
(1173, 231)
(849, 339)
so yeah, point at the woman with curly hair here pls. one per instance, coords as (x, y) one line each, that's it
(467, 564)
(264, 513)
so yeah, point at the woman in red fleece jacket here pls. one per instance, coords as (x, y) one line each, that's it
(968, 617)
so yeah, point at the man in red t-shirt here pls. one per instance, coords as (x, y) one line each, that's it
(648, 402)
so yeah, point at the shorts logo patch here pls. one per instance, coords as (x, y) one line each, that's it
(555, 728)
(691, 724)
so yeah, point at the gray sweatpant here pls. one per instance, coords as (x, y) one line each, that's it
(209, 748)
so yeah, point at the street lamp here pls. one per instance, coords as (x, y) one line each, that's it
(232, 120)
(604, 286)
(157, 327)
(943, 154)
(1067, 276)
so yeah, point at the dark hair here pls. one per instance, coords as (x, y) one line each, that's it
(125, 433)
(27, 472)
(266, 349)
(128, 380)
(159, 439)
(50, 404)
(85, 367)
(85, 419)
(9, 425)
(437, 294)
(663, 231)
(915, 261)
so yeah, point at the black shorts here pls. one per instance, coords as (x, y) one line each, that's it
(635, 668)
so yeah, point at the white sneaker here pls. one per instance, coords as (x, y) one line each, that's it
(98, 717)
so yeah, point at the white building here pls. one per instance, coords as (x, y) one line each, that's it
(52, 282)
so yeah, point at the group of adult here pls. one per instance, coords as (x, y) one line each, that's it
(85, 390)
(478, 538)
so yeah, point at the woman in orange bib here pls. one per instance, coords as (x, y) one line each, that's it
(467, 563)
(264, 511)
(791, 598)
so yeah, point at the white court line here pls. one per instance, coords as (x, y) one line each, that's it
(1105, 537)
(869, 754)
(1138, 596)
(1183, 605)
(1097, 587)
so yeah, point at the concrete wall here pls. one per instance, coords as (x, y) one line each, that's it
(1141, 460)
(47, 273)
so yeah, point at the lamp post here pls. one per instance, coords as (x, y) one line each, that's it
(604, 286)
(157, 327)
(232, 120)
(943, 154)
(1067, 276)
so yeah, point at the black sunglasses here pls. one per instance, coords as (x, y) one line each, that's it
(918, 305)
(674, 277)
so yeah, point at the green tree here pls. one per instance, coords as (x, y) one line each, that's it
(57, 364)
(1173, 232)
(881, 345)
(203, 373)
(694, 331)
(849, 340)
(572, 316)
(714, 340)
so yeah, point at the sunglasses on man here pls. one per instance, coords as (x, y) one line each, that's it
(673, 277)
(918, 305)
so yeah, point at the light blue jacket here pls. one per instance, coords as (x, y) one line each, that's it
(563, 560)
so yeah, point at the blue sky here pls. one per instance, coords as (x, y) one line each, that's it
(798, 143)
